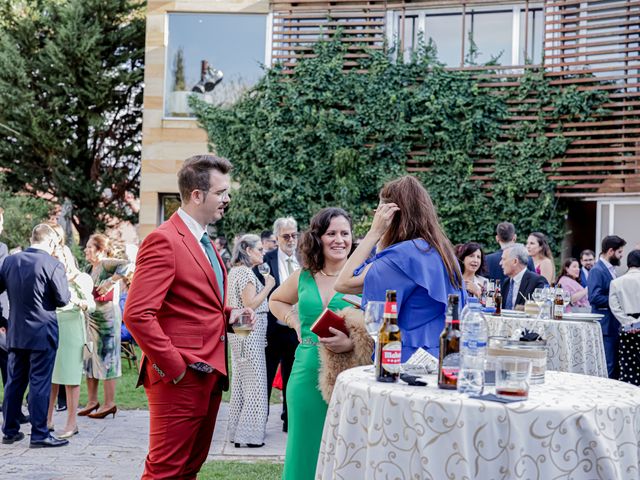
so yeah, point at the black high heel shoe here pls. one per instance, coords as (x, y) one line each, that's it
(249, 445)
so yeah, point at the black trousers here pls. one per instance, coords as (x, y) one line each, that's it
(4, 358)
(32, 368)
(281, 348)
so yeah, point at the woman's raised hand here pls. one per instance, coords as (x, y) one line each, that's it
(383, 218)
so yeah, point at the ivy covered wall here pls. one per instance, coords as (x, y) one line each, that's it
(322, 136)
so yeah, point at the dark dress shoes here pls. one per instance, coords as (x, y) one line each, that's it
(9, 439)
(48, 442)
(24, 419)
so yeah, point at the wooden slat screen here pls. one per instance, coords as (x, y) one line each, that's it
(589, 44)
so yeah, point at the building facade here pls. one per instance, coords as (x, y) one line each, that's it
(580, 44)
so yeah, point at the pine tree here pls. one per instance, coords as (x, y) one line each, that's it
(71, 74)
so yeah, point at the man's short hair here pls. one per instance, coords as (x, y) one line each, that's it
(43, 232)
(519, 252)
(266, 235)
(633, 259)
(283, 222)
(612, 241)
(505, 231)
(587, 252)
(196, 171)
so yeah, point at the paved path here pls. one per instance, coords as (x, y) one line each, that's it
(115, 449)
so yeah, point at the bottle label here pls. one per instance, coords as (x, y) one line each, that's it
(451, 366)
(473, 344)
(391, 308)
(558, 310)
(391, 356)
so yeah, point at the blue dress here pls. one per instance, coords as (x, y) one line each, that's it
(418, 274)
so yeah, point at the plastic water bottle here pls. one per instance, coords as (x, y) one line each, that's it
(473, 349)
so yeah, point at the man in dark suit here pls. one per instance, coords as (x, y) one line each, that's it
(36, 284)
(587, 260)
(520, 282)
(600, 277)
(4, 311)
(282, 341)
(506, 237)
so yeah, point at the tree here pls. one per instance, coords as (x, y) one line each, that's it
(179, 82)
(71, 74)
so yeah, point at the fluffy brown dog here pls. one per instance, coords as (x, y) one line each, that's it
(331, 364)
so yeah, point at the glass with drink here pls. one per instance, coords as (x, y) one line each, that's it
(373, 317)
(513, 375)
(243, 327)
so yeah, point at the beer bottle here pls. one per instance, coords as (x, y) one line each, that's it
(497, 298)
(389, 342)
(558, 307)
(449, 363)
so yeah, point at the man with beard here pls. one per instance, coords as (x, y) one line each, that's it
(587, 259)
(600, 278)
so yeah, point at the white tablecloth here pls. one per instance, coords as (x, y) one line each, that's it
(573, 346)
(572, 427)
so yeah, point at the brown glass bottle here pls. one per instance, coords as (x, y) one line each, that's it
(389, 342)
(558, 307)
(449, 364)
(497, 298)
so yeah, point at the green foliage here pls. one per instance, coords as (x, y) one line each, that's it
(324, 136)
(21, 214)
(71, 77)
(179, 82)
(245, 470)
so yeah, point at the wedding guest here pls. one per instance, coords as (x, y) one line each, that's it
(471, 261)
(104, 327)
(414, 257)
(249, 406)
(600, 278)
(587, 260)
(324, 249)
(505, 237)
(36, 285)
(268, 240)
(520, 282)
(568, 280)
(281, 340)
(220, 243)
(538, 248)
(624, 301)
(67, 369)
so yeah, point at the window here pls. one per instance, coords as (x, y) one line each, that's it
(510, 34)
(169, 203)
(219, 54)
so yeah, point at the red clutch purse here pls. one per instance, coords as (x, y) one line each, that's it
(328, 319)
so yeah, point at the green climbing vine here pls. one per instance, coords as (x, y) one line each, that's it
(324, 136)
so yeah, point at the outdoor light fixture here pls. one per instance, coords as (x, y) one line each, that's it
(209, 78)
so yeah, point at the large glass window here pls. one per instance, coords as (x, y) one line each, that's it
(220, 55)
(505, 33)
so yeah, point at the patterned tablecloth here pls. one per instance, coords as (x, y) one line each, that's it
(573, 346)
(572, 427)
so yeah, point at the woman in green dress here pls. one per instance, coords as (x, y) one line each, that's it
(104, 326)
(72, 335)
(324, 249)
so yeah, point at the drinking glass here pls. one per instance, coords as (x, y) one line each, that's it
(513, 375)
(566, 297)
(373, 317)
(538, 295)
(243, 327)
(264, 269)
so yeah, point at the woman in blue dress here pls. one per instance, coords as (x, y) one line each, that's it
(412, 255)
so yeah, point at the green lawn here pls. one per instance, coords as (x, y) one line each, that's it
(240, 470)
(130, 398)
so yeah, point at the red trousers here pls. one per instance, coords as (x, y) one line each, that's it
(182, 419)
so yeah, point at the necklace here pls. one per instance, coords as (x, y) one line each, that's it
(328, 275)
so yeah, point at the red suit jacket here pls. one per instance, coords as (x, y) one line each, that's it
(174, 308)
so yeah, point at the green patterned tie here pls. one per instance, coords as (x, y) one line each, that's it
(217, 269)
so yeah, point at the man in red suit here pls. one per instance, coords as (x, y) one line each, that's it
(176, 312)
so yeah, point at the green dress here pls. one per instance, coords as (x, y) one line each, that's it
(306, 408)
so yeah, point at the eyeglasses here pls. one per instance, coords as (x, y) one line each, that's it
(221, 195)
(289, 236)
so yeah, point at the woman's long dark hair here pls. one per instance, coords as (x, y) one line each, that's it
(417, 218)
(544, 244)
(466, 250)
(564, 272)
(311, 253)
